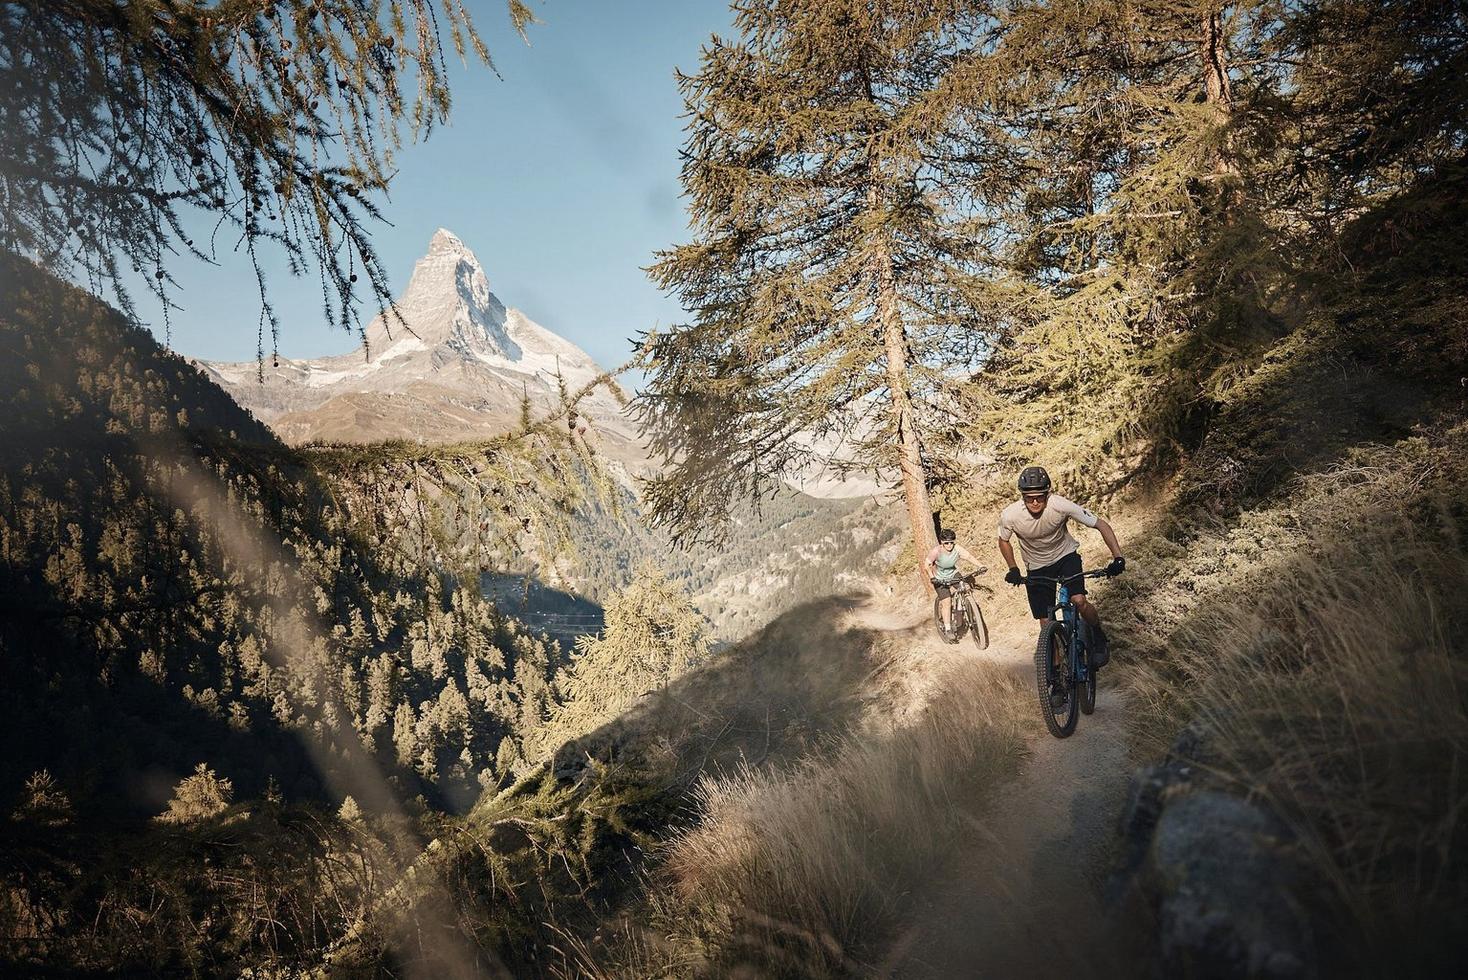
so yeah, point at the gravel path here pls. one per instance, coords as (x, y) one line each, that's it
(1022, 893)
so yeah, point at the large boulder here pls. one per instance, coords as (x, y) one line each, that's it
(1225, 887)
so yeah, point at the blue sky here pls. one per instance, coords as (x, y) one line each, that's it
(561, 176)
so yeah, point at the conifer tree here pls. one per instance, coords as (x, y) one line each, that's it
(198, 797)
(1178, 169)
(278, 117)
(838, 275)
(1134, 173)
(652, 635)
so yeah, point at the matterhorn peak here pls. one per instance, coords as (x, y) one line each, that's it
(446, 241)
(447, 304)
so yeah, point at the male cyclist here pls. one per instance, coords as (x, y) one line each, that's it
(942, 568)
(1039, 520)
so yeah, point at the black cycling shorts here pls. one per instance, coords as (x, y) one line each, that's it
(1042, 594)
(945, 589)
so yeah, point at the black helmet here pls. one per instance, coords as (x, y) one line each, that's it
(947, 535)
(1034, 479)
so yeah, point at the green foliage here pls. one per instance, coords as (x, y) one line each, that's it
(652, 635)
(277, 118)
(259, 887)
(43, 802)
(198, 797)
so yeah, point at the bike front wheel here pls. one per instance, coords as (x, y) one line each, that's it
(1088, 689)
(1058, 700)
(977, 628)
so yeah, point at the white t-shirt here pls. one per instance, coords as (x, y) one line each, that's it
(1044, 539)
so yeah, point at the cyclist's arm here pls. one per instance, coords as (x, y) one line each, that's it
(1007, 550)
(963, 553)
(1109, 536)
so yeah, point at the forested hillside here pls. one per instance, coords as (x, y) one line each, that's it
(200, 623)
(789, 549)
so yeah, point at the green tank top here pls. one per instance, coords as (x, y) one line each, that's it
(947, 564)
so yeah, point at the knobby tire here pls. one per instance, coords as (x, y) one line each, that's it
(978, 629)
(1088, 689)
(1053, 641)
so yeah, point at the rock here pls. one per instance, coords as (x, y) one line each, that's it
(1213, 873)
(1147, 795)
(1225, 888)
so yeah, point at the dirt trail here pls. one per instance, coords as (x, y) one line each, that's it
(1022, 893)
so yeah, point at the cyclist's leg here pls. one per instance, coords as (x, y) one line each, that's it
(1041, 594)
(1070, 568)
(1087, 610)
(945, 607)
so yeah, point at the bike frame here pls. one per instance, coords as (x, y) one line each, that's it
(959, 587)
(1067, 610)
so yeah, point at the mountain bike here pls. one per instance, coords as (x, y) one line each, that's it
(1063, 671)
(966, 613)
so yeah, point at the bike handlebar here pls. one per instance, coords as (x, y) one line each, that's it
(970, 578)
(1094, 573)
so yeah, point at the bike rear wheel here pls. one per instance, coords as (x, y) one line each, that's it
(978, 629)
(1058, 702)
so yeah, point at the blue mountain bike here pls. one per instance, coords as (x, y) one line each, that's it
(1064, 673)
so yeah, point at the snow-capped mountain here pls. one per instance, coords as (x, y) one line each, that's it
(454, 369)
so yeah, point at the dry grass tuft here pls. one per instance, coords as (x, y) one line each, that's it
(802, 870)
(1332, 681)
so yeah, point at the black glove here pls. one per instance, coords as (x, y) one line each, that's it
(1117, 566)
(1013, 577)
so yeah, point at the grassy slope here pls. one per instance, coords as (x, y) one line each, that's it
(1297, 601)
(803, 852)
(770, 811)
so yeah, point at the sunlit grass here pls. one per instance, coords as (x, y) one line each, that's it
(1329, 679)
(803, 870)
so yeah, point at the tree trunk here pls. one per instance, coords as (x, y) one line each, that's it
(1217, 90)
(1215, 63)
(909, 445)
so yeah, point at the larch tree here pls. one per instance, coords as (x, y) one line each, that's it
(652, 635)
(1180, 172)
(1145, 145)
(839, 275)
(277, 119)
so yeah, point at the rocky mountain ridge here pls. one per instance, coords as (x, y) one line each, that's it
(456, 367)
